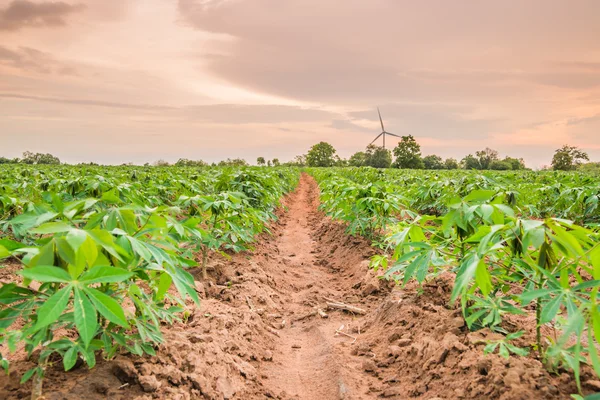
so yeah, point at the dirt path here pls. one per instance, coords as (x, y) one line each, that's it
(308, 362)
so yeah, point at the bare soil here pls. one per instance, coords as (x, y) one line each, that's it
(259, 334)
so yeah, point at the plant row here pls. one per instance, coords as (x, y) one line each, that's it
(506, 258)
(100, 248)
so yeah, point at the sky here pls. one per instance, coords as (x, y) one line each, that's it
(137, 81)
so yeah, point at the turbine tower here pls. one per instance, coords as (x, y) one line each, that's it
(383, 131)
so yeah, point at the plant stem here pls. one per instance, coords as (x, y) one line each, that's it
(204, 260)
(38, 380)
(538, 328)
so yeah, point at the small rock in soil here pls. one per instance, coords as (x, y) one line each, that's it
(149, 383)
(512, 378)
(403, 342)
(394, 336)
(196, 338)
(391, 392)
(124, 370)
(100, 387)
(368, 365)
(458, 322)
(268, 356)
(200, 288)
(370, 289)
(394, 351)
(593, 385)
(225, 387)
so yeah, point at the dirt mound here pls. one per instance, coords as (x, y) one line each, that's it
(302, 317)
(419, 348)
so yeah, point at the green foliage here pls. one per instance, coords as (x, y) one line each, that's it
(505, 238)
(505, 348)
(321, 155)
(4, 160)
(498, 165)
(408, 154)
(433, 162)
(451, 163)
(236, 162)
(568, 158)
(39, 158)
(590, 167)
(260, 161)
(374, 156)
(378, 157)
(358, 159)
(106, 250)
(184, 162)
(486, 157)
(515, 163)
(470, 162)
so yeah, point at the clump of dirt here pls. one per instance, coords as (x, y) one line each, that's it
(272, 324)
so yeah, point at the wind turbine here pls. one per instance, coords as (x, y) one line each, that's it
(383, 131)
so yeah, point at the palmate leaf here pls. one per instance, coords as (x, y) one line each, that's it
(104, 274)
(550, 309)
(51, 227)
(108, 307)
(46, 274)
(85, 317)
(465, 275)
(53, 308)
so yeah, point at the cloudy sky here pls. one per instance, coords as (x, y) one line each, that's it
(132, 80)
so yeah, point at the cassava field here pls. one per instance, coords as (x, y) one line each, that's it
(252, 283)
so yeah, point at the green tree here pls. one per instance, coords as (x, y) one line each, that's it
(358, 159)
(260, 161)
(568, 158)
(451, 163)
(4, 160)
(276, 162)
(498, 165)
(589, 167)
(339, 162)
(39, 158)
(184, 162)
(433, 162)
(470, 162)
(515, 163)
(408, 154)
(486, 157)
(298, 161)
(378, 157)
(236, 162)
(321, 155)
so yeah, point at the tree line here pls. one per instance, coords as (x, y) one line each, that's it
(407, 154)
(32, 158)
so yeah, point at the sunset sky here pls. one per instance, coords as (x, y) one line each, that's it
(135, 81)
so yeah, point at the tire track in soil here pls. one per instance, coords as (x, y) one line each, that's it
(310, 360)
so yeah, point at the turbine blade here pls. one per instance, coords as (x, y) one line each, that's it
(380, 120)
(393, 134)
(376, 138)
